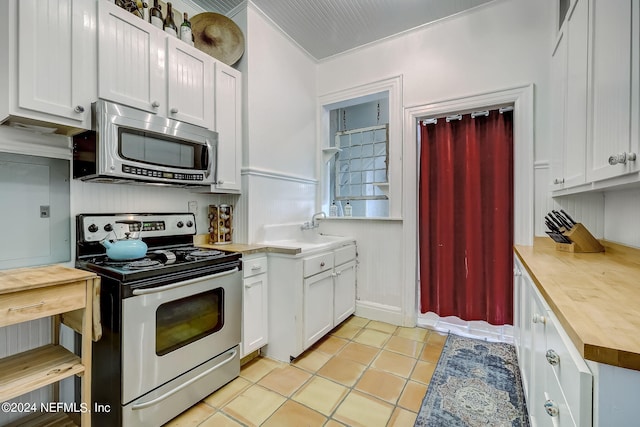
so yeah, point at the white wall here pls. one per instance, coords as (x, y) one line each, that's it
(280, 147)
(504, 44)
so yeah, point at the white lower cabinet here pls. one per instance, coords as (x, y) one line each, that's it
(557, 382)
(255, 312)
(309, 296)
(318, 299)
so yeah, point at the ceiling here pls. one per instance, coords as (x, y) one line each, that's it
(327, 27)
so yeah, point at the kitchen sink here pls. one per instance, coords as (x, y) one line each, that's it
(293, 236)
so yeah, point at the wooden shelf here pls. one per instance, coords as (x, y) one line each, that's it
(58, 419)
(30, 370)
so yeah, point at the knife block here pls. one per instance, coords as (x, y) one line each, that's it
(581, 241)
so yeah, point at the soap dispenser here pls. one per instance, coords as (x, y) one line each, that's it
(333, 210)
(347, 209)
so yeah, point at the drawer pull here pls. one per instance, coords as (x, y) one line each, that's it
(537, 318)
(256, 268)
(553, 358)
(551, 408)
(322, 264)
(24, 307)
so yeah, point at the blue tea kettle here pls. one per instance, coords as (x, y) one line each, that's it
(128, 248)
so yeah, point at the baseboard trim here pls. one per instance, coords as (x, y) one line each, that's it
(380, 312)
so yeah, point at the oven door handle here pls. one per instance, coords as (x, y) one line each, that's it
(168, 394)
(147, 291)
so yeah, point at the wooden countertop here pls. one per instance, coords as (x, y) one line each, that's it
(21, 279)
(201, 240)
(596, 297)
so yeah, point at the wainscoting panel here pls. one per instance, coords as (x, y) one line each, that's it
(379, 276)
(276, 199)
(88, 197)
(621, 212)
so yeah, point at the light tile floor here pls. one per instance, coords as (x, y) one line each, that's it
(364, 373)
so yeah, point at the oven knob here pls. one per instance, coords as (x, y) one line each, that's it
(180, 224)
(108, 227)
(93, 228)
(189, 224)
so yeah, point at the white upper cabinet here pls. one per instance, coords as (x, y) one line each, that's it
(614, 89)
(191, 90)
(569, 64)
(595, 75)
(50, 62)
(131, 60)
(228, 124)
(143, 67)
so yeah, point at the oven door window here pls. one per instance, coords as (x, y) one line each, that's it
(150, 148)
(186, 320)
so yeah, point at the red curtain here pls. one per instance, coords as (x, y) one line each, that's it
(466, 218)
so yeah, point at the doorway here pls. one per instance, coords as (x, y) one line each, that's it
(522, 99)
(465, 195)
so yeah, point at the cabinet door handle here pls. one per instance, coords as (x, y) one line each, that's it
(24, 307)
(552, 357)
(551, 408)
(558, 181)
(622, 158)
(517, 272)
(155, 104)
(79, 109)
(174, 110)
(537, 318)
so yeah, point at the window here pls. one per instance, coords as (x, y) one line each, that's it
(361, 163)
(357, 124)
(360, 170)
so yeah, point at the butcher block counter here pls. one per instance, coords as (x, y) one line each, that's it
(21, 279)
(202, 240)
(595, 296)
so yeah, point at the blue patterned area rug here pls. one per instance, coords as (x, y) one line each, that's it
(476, 383)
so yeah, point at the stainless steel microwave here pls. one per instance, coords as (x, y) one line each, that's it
(128, 145)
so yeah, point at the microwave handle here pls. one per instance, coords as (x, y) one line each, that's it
(211, 157)
(215, 176)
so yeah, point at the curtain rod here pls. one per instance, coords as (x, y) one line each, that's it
(458, 116)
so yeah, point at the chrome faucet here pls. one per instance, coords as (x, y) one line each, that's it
(314, 223)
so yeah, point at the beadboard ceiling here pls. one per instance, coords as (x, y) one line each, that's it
(327, 27)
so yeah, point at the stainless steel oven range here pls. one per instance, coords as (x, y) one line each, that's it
(171, 319)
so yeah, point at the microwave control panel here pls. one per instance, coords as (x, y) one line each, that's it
(160, 174)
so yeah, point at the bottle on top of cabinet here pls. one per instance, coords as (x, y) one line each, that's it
(169, 23)
(156, 15)
(145, 11)
(186, 34)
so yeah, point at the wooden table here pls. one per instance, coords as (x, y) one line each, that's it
(32, 293)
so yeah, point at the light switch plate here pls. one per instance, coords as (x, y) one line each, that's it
(193, 207)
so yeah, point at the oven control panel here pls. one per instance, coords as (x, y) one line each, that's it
(97, 227)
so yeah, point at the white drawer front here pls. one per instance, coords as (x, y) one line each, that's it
(316, 264)
(345, 254)
(570, 370)
(253, 266)
(552, 396)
